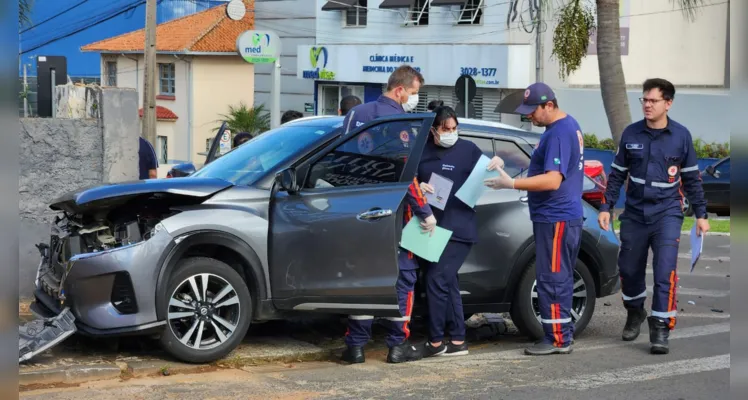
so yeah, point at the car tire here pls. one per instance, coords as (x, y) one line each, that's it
(523, 310)
(217, 338)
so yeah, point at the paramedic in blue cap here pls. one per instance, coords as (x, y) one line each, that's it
(554, 186)
(658, 157)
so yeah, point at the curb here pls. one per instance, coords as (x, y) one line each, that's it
(79, 373)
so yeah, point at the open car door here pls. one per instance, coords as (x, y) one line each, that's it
(336, 219)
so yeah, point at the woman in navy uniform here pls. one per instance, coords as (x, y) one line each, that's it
(453, 158)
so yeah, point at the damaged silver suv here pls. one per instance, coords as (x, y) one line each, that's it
(301, 218)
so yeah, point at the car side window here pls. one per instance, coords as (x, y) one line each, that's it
(516, 161)
(485, 145)
(374, 156)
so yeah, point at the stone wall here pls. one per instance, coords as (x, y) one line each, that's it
(58, 156)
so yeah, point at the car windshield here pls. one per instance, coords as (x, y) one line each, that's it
(248, 163)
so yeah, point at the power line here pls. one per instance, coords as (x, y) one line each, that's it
(136, 4)
(53, 17)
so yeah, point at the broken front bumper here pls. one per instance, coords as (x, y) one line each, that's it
(42, 334)
(111, 292)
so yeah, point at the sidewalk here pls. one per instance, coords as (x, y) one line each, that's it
(81, 359)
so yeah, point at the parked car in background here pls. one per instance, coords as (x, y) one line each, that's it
(299, 219)
(716, 184)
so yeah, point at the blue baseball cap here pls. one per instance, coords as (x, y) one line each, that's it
(536, 94)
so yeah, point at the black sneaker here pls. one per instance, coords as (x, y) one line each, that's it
(456, 349)
(404, 352)
(430, 351)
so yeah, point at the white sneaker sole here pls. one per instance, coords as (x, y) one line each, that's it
(459, 353)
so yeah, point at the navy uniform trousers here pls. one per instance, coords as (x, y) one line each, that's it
(443, 293)
(664, 239)
(359, 326)
(557, 246)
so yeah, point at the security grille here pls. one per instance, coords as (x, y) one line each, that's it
(485, 100)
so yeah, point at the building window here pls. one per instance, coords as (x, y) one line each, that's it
(419, 13)
(167, 77)
(163, 149)
(111, 73)
(471, 12)
(356, 15)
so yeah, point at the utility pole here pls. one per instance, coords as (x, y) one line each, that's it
(149, 83)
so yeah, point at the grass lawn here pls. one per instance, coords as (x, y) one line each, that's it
(722, 225)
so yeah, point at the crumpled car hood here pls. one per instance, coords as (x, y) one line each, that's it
(114, 194)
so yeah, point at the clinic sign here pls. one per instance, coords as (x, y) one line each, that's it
(318, 58)
(259, 47)
(440, 65)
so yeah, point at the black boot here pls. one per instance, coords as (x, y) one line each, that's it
(636, 316)
(658, 335)
(404, 352)
(353, 355)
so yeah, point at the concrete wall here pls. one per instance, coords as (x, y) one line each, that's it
(62, 155)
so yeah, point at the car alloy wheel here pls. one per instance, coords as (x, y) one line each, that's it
(204, 311)
(578, 303)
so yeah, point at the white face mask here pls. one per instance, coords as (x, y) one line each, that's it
(448, 139)
(412, 103)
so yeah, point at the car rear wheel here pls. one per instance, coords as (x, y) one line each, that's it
(525, 311)
(208, 311)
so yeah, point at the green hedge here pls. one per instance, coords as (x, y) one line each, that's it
(703, 149)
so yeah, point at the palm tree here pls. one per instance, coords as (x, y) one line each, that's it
(241, 118)
(24, 13)
(570, 40)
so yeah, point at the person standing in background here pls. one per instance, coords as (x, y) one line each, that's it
(347, 103)
(148, 161)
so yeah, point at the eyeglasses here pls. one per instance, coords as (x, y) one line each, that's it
(649, 101)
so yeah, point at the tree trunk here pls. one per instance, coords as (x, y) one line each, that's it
(612, 81)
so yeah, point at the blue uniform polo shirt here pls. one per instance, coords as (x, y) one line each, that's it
(561, 149)
(147, 158)
(454, 163)
(366, 112)
(661, 164)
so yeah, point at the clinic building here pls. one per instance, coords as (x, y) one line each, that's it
(359, 43)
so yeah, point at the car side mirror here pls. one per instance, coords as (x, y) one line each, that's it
(711, 171)
(287, 180)
(182, 170)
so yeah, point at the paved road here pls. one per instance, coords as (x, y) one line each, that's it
(601, 365)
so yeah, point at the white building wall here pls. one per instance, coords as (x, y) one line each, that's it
(294, 22)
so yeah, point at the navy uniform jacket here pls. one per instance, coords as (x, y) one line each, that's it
(383, 106)
(454, 163)
(661, 165)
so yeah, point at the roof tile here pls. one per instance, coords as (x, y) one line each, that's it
(207, 31)
(162, 113)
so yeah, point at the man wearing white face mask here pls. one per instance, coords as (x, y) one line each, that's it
(451, 158)
(401, 96)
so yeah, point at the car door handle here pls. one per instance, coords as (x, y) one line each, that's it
(374, 214)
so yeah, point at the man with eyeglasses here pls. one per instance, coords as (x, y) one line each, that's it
(658, 156)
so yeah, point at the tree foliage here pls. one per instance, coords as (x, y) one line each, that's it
(24, 13)
(571, 37)
(241, 118)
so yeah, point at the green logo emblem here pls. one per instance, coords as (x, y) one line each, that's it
(557, 161)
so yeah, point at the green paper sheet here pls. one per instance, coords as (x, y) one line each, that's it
(429, 248)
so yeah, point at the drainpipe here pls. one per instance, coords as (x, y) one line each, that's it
(189, 106)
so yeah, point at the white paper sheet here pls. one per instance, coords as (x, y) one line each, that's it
(442, 189)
